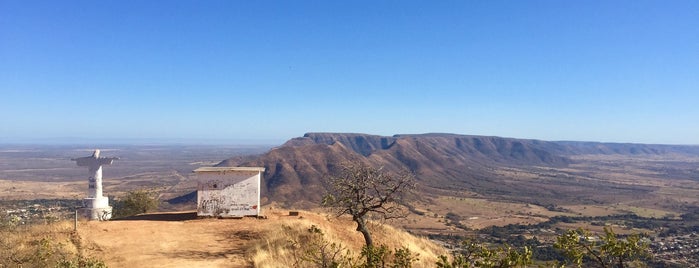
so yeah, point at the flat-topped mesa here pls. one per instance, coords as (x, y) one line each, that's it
(96, 206)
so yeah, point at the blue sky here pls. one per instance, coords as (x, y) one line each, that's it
(267, 71)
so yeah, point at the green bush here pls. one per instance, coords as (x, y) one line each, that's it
(478, 255)
(135, 202)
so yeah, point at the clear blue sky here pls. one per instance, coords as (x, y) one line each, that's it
(622, 71)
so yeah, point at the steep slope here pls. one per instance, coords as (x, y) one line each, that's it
(361, 143)
(296, 171)
(294, 174)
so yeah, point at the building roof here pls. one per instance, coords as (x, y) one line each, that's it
(228, 169)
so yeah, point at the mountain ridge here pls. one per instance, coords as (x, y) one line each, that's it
(298, 169)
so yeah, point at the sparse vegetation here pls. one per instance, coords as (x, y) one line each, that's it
(519, 205)
(383, 257)
(42, 245)
(315, 241)
(581, 247)
(312, 249)
(360, 190)
(472, 254)
(135, 202)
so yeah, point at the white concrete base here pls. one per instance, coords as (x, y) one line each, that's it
(97, 214)
(97, 202)
(97, 208)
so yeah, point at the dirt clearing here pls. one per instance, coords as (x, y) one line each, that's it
(171, 241)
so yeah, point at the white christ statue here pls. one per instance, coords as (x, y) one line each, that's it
(96, 206)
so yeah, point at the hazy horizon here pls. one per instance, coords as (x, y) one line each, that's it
(137, 141)
(78, 141)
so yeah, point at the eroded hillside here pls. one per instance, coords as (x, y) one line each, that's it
(533, 171)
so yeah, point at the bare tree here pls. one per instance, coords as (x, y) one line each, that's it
(360, 190)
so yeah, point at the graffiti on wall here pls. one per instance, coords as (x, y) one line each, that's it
(230, 196)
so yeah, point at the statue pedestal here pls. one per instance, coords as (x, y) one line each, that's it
(97, 208)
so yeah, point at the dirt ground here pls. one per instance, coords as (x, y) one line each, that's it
(171, 240)
(180, 239)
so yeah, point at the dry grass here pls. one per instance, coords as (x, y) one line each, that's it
(478, 213)
(274, 248)
(175, 242)
(426, 250)
(43, 245)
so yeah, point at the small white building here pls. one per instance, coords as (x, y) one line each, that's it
(228, 192)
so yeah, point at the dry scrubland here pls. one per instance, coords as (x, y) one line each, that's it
(659, 186)
(243, 242)
(45, 245)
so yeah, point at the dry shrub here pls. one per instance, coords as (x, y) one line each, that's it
(303, 241)
(427, 251)
(42, 245)
(282, 245)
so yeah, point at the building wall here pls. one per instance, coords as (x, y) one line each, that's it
(228, 194)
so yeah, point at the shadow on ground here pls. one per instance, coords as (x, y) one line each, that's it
(165, 216)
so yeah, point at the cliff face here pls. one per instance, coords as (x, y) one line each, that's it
(360, 143)
(297, 171)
